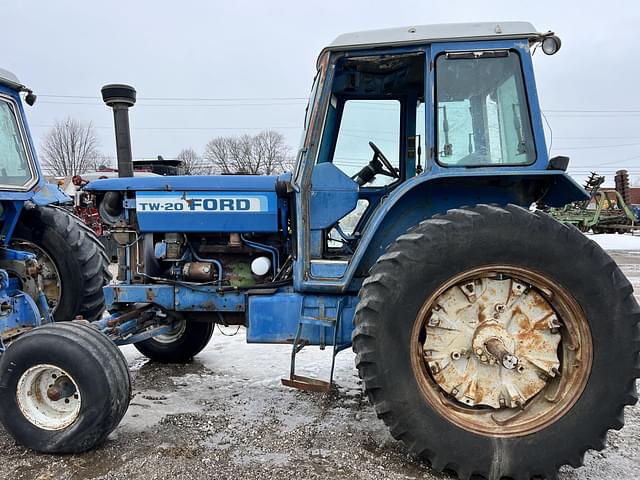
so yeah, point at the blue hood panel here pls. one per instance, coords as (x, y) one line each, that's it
(223, 203)
(206, 211)
(235, 183)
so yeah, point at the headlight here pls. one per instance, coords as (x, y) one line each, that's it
(551, 45)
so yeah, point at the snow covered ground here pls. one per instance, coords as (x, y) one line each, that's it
(614, 241)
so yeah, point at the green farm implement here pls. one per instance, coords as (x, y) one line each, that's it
(606, 211)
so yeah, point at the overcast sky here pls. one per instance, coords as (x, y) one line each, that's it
(239, 50)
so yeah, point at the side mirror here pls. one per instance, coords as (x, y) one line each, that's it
(558, 163)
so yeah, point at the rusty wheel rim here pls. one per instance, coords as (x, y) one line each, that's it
(505, 413)
(51, 284)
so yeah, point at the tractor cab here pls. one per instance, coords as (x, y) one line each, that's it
(21, 177)
(19, 171)
(408, 113)
(47, 259)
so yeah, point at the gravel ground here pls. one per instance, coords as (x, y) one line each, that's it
(225, 415)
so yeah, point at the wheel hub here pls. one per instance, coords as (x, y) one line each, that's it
(492, 341)
(493, 345)
(48, 397)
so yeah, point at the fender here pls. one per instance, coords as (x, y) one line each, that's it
(49, 194)
(424, 196)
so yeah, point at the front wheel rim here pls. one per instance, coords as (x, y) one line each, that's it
(502, 410)
(52, 286)
(48, 397)
(172, 336)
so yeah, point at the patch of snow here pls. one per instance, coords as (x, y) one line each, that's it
(615, 241)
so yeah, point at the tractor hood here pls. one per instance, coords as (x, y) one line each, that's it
(224, 203)
(235, 183)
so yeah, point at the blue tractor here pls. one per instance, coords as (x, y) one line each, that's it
(52, 267)
(491, 339)
(70, 266)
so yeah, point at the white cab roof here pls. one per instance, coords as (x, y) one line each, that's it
(9, 79)
(433, 33)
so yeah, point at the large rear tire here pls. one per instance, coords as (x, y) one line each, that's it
(75, 265)
(187, 340)
(516, 390)
(63, 388)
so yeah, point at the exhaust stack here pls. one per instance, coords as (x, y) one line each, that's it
(121, 98)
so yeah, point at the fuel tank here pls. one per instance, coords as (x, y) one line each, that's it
(222, 203)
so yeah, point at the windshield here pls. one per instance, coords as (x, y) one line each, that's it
(308, 113)
(15, 170)
(310, 102)
(482, 111)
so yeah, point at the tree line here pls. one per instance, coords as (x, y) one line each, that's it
(71, 147)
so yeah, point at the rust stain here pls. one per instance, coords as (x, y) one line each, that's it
(482, 316)
(523, 323)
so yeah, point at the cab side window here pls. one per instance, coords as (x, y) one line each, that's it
(14, 170)
(365, 121)
(482, 111)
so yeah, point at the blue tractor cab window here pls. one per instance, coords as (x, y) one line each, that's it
(482, 111)
(363, 121)
(15, 170)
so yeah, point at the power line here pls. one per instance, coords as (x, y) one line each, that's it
(584, 147)
(188, 128)
(599, 138)
(223, 105)
(593, 117)
(178, 99)
(244, 99)
(591, 111)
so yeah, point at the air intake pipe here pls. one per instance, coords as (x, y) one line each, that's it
(121, 98)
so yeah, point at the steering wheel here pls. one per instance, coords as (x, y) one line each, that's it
(379, 165)
(390, 170)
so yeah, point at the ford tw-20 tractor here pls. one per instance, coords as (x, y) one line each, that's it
(491, 339)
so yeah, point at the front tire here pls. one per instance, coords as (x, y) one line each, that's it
(179, 346)
(63, 388)
(414, 305)
(75, 265)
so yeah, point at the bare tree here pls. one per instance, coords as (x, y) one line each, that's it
(70, 147)
(192, 163)
(273, 152)
(102, 162)
(263, 154)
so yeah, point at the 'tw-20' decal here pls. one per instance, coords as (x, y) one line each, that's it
(185, 202)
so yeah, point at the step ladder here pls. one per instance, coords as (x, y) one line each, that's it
(325, 322)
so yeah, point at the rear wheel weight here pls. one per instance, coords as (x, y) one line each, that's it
(546, 345)
(596, 314)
